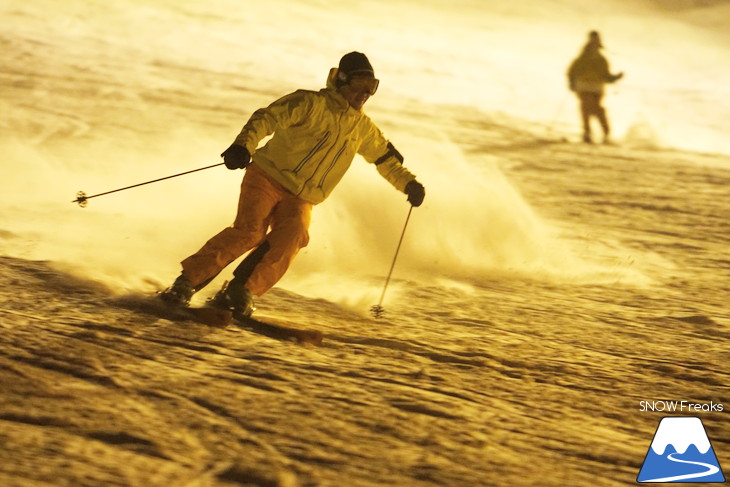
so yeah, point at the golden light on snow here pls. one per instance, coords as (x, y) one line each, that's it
(544, 288)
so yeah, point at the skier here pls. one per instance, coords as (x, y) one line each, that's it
(316, 135)
(586, 76)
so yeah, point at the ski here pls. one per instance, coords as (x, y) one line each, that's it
(279, 332)
(219, 318)
(223, 318)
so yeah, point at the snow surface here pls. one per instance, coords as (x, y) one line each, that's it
(543, 290)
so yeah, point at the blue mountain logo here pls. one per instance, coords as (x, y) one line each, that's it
(680, 452)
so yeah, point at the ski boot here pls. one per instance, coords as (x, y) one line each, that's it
(234, 296)
(179, 293)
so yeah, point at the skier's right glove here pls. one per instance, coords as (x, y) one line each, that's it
(416, 192)
(236, 157)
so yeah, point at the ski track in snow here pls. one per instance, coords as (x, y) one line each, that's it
(604, 282)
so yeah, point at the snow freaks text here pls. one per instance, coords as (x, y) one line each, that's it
(679, 407)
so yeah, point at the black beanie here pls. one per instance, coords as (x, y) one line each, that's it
(354, 63)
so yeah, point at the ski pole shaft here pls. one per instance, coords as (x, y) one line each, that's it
(377, 310)
(559, 111)
(82, 199)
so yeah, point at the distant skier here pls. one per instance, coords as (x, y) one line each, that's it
(587, 75)
(316, 135)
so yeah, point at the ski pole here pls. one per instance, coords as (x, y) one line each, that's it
(82, 199)
(377, 310)
(559, 111)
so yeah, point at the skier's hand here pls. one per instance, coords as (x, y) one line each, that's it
(617, 77)
(416, 192)
(236, 157)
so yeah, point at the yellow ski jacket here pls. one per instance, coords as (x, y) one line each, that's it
(316, 137)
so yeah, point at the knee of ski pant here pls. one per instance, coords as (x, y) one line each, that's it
(250, 231)
(292, 225)
(298, 232)
(301, 226)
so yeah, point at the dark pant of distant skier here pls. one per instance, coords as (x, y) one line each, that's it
(590, 105)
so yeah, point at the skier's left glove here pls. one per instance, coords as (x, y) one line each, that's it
(236, 157)
(615, 77)
(416, 192)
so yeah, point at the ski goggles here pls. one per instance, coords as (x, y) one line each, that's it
(367, 85)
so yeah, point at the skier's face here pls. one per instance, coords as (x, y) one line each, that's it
(359, 90)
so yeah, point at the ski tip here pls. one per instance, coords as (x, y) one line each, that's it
(280, 331)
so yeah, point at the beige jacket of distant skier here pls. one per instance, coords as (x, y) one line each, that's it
(589, 72)
(316, 137)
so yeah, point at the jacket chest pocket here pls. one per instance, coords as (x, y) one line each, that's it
(312, 152)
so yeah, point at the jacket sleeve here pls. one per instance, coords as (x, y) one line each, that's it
(572, 70)
(571, 73)
(388, 161)
(604, 70)
(284, 112)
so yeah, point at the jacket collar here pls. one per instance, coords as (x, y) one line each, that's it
(338, 100)
(339, 103)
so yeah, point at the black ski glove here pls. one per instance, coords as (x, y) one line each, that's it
(416, 192)
(236, 157)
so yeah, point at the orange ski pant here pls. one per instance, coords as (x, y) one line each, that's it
(263, 204)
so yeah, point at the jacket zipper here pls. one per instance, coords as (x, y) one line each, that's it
(312, 152)
(339, 127)
(332, 164)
